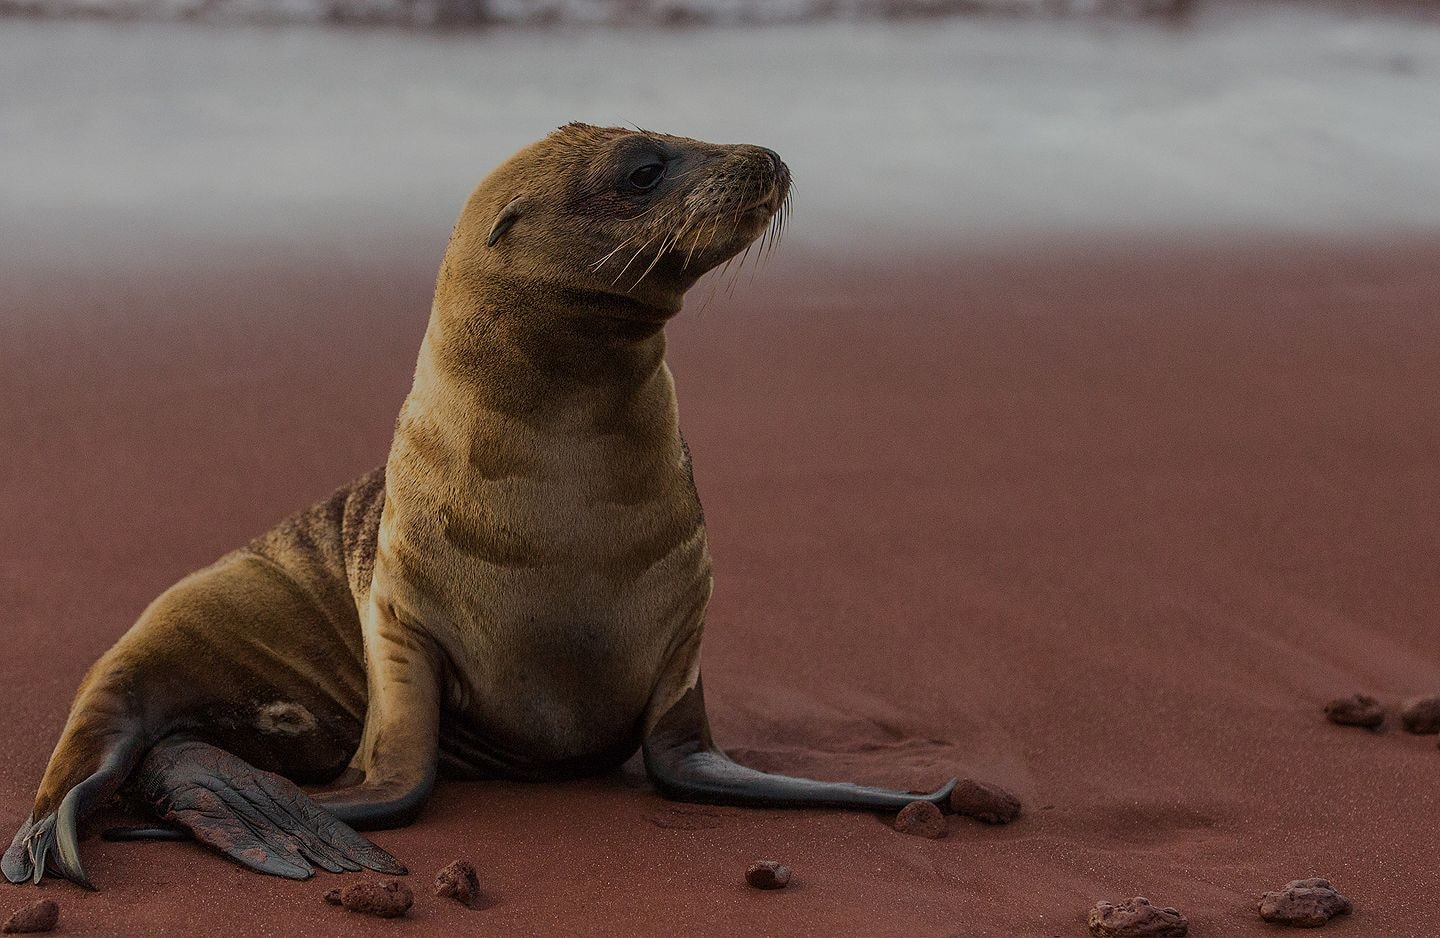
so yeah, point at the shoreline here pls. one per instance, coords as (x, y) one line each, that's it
(547, 15)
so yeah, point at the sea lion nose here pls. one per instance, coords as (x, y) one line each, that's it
(775, 162)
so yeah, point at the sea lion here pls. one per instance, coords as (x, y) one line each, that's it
(519, 593)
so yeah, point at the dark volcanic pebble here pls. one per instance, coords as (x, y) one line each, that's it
(387, 898)
(40, 915)
(333, 897)
(1136, 918)
(1303, 903)
(1355, 710)
(1422, 715)
(922, 819)
(459, 882)
(989, 803)
(768, 874)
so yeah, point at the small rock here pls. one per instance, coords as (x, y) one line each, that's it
(1304, 903)
(459, 882)
(768, 874)
(922, 819)
(387, 898)
(333, 897)
(1422, 715)
(1355, 710)
(1136, 918)
(40, 915)
(988, 803)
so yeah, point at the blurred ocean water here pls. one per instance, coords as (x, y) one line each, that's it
(141, 140)
(573, 12)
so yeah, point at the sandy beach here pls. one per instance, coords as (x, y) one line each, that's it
(1104, 512)
(1109, 532)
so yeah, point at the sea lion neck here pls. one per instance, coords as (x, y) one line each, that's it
(545, 338)
(536, 349)
(511, 390)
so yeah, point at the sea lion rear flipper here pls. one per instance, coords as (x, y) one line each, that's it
(686, 765)
(256, 818)
(90, 763)
(49, 845)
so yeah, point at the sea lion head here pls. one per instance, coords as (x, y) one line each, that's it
(627, 219)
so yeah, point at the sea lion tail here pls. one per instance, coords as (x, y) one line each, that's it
(258, 819)
(103, 741)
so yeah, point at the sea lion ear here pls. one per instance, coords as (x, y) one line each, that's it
(507, 217)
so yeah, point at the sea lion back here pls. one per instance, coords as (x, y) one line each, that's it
(329, 548)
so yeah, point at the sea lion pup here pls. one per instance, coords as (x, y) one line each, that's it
(518, 594)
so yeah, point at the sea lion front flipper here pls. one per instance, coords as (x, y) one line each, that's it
(686, 765)
(256, 818)
(399, 753)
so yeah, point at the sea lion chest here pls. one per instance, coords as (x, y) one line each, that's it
(558, 566)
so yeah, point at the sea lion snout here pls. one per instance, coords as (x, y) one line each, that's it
(759, 170)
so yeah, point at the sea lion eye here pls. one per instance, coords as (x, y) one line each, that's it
(647, 176)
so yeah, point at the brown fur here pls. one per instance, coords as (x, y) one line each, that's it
(526, 579)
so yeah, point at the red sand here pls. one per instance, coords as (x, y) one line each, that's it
(1107, 532)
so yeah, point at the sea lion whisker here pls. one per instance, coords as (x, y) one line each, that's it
(715, 280)
(694, 245)
(714, 230)
(694, 223)
(602, 261)
(659, 253)
(632, 259)
(739, 269)
(635, 256)
(763, 252)
(647, 211)
(771, 234)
